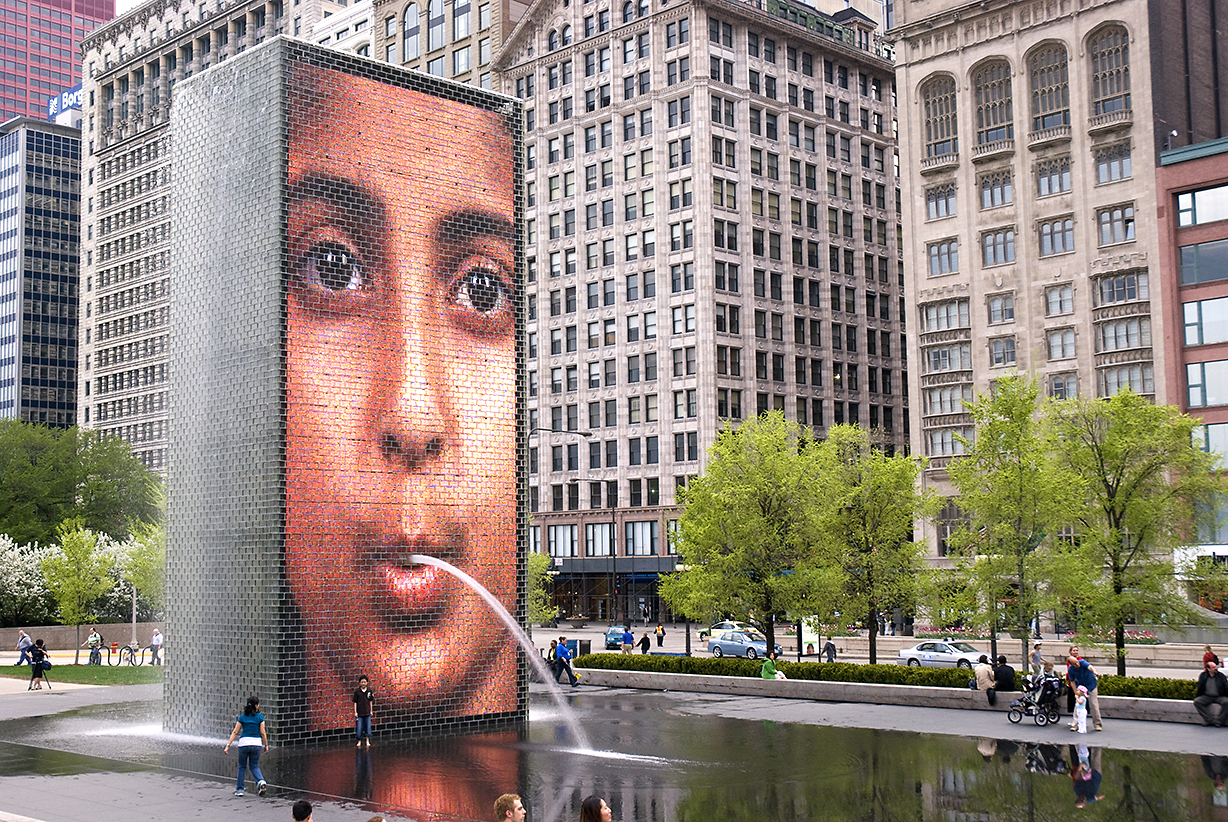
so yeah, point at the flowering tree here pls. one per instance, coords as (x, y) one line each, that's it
(24, 598)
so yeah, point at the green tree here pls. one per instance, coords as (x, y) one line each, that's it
(1015, 494)
(24, 598)
(540, 609)
(870, 500)
(78, 572)
(749, 529)
(1146, 487)
(48, 475)
(37, 481)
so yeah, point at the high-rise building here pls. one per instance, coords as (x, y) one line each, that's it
(712, 232)
(131, 67)
(457, 39)
(1029, 135)
(348, 30)
(39, 198)
(40, 53)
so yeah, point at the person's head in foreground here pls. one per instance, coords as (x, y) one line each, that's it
(301, 811)
(400, 394)
(1211, 667)
(510, 807)
(594, 809)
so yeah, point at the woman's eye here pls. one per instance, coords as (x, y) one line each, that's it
(481, 289)
(333, 267)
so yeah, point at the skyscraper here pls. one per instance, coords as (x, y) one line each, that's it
(712, 232)
(39, 199)
(40, 52)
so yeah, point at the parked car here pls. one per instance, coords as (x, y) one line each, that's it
(749, 644)
(940, 654)
(722, 627)
(614, 637)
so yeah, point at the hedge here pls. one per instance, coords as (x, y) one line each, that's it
(849, 672)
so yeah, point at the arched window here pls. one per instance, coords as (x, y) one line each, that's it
(642, 9)
(941, 135)
(434, 25)
(628, 11)
(410, 30)
(994, 112)
(1050, 87)
(1110, 50)
(567, 35)
(552, 41)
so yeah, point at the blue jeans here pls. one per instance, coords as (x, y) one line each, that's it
(362, 727)
(249, 757)
(25, 656)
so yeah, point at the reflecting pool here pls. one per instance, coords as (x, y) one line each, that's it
(655, 760)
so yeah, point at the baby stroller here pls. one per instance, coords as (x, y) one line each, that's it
(1039, 700)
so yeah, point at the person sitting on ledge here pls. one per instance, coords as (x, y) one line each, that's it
(1212, 690)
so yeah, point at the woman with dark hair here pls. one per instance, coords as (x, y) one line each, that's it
(38, 655)
(594, 809)
(249, 728)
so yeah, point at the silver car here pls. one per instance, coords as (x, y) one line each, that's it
(749, 644)
(940, 653)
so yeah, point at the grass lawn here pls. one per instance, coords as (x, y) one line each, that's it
(90, 674)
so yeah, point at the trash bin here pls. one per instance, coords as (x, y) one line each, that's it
(586, 646)
(573, 645)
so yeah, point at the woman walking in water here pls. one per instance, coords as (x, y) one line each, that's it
(249, 728)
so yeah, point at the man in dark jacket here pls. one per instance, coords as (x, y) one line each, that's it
(1212, 690)
(1004, 676)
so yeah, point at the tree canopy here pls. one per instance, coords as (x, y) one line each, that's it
(1016, 494)
(749, 532)
(78, 571)
(48, 475)
(1145, 488)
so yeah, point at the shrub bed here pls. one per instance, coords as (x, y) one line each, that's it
(1148, 687)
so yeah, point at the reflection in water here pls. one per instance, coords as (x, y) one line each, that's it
(683, 768)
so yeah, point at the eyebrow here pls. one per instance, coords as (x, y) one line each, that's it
(469, 224)
(358, 205)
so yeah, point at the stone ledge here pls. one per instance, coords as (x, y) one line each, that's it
(1111, 707)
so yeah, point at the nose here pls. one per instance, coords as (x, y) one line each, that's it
(414, 431)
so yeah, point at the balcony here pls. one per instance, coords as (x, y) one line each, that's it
(1048, 136)
(1110, 121)
(941, 162)
(988, 151)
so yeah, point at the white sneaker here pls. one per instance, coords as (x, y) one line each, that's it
(262, 787)
(238, 793)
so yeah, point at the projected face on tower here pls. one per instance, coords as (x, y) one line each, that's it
(401, 395)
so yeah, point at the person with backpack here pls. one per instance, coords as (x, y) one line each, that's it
(38, 664)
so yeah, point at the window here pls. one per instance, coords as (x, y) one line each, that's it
(994, 116)
(1110, 53)
(677, 33)
(996, 189)
(944, 257)
(953, 357)
(1050, 87)
(1204, 262)
(1002, 351)
(1138, 378)
(434, 22)
(945, 315)
(939, 201)
(1122, 288)
(679, 112)
(410, 30)
(1057, 237)
(1206, 321)
(1124, 334)
(1063, 386)
(948, 399)
(1061, 344)
(938, 99)
(1059, 300)
(1206, 206)
(642, 536)
(999, 247)
(1113, 164)
(1053, 176)
(1116, 224)
(1001, 308)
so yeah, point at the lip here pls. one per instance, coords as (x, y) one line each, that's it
(417, 592)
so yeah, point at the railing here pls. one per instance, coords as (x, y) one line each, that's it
(994, 149)
(939, 162)
(1044, 136)
(1122, 118)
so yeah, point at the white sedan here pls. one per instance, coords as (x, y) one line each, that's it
(940, 654)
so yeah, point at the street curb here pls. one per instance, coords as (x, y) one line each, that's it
(1111, 707)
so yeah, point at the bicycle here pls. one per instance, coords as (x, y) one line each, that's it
(127, 655)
